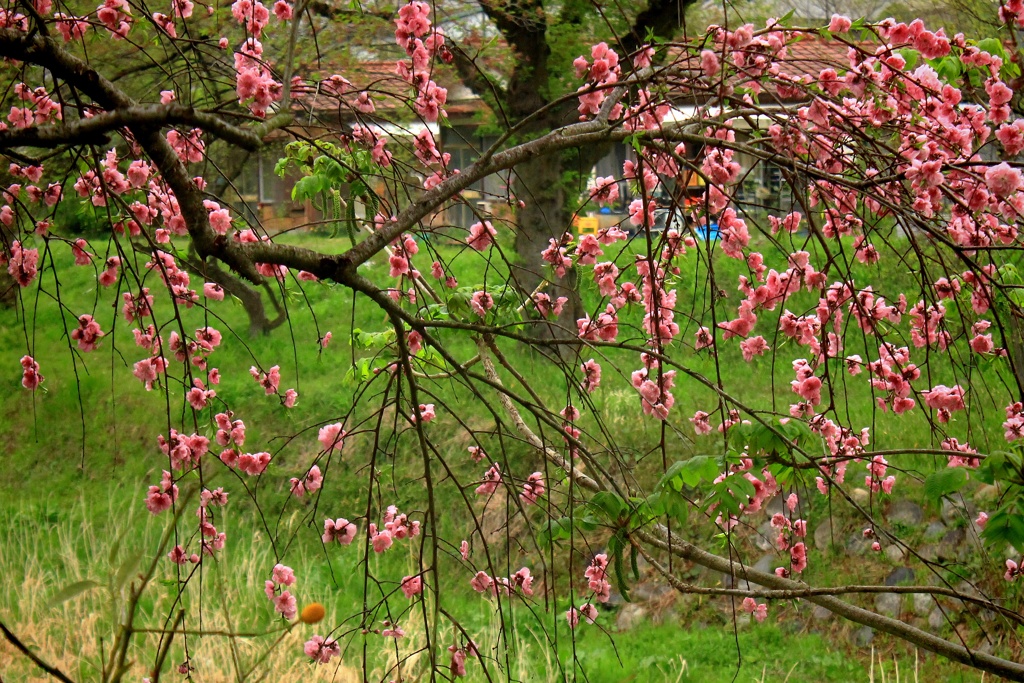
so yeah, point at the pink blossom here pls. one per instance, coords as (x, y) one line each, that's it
(426, 413)
(533, 488)
(286, 605)
(490, 481)
(754, 346)
(412, 585)
(321, 649)
(1003, 180)
(331, 437)
(839, 24)
(481, 582)
(481, 235)
(709, 63)
(87, 334)
(30, 375)
(340, 530)
(798, 557)
(382, 541)
(283, 10)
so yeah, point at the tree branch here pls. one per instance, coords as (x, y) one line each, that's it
(52, 670)
(95, 130)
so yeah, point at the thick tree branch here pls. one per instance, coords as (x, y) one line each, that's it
(95, 130)
(47, 53)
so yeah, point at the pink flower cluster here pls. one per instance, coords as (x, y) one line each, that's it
(308, 484)
(254, 82)
(31, 378)
(183, 451)
(520, 582)
(654, 386)
(750, 606)
(396, 527)
(321, 649)
(413, 32)
(596, 574)
(588, 612)
(282, 577)
(457, 668)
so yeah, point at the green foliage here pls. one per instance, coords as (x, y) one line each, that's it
(944, 482)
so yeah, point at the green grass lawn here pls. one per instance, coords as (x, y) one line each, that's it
(79, 454)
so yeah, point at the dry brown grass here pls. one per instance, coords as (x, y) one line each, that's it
(75, 635)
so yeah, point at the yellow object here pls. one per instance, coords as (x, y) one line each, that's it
(587, 225)
(312, 613)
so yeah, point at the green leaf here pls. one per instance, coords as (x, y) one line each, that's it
(70, 591)
(620, 575)
(944, 482)
(690, 472)
(307, 187)
(126, 570)
(910, 56)
(556, 529)
(610, 503)
(1004, 526)
(993, 46)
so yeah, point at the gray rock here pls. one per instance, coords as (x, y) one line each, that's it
(629, 616)
(935, 531)
(863, 636)
(888, 604)
(894, 553)
(923, 604)
(954, 510)
(856, 544)
(819, 613)
(777, 504)
(929, 552)
(952, 544)
(905, 512)
(860, 496)
(986, 615)
(936, 619)
(767, 564)
(730, 581)
(824, 533)
(966, 588)
(764, 539)
(899, 576)
(649, 591)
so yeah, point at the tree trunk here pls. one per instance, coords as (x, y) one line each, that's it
(252, 300)
(8, 287)
(538, 183)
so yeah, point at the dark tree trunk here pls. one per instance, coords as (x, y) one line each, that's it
(538, 183)
(8, 287)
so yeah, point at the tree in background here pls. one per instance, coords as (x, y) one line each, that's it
(885, 162)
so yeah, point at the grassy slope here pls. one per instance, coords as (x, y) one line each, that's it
(69, 515)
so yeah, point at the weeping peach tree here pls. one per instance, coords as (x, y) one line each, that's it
(899, 156)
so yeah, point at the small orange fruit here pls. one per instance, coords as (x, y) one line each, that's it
(312, 613)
